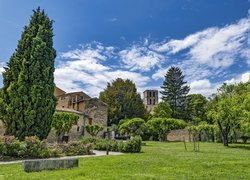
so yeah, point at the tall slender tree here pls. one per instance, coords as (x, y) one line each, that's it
(175, 91)
(27, 95)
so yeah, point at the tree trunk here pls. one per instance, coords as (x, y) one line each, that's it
(235, 136)
(225, 139)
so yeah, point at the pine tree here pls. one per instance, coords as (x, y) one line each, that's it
(27, 95)
(175, 91)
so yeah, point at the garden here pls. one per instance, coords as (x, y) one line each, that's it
(158, 160)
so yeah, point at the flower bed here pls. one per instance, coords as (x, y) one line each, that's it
(11, 148)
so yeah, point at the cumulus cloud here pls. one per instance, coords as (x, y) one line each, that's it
(244, 77)
(204, 87)
(215, 47)
(84, 69)
(140, 58)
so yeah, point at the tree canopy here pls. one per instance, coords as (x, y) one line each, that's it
(27, 100)
(63, 122)
(162, 110)
(124, 102)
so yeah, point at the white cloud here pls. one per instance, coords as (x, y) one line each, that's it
(84, 69)
(204, 87)
(216, 47)
(244, 77)
(112, 19)
(140, 58)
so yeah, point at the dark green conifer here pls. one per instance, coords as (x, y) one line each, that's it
(27, 95)
(175, 92)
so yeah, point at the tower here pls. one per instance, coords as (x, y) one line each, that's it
(150, 99)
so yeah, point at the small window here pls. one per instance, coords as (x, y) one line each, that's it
(90, 121)
(78, 128)
(62, 106)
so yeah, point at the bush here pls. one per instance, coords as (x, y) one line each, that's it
(132, 146)
(73, 148)
(36, 148)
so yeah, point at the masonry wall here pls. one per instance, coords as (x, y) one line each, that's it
(178, 135)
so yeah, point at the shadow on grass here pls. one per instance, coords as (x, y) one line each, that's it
(246, 147)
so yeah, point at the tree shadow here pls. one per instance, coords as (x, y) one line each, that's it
(246, 147)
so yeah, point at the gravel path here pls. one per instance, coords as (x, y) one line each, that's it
(97, 153)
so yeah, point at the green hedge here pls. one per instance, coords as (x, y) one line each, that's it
(130, 146)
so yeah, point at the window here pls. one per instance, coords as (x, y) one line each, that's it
(154, 102)
(78, 128)
(153, 94)
(150, 94)
(62, 106)
(150, 101)
(90, 121)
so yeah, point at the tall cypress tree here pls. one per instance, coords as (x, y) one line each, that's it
(175, 91)
(27, 95)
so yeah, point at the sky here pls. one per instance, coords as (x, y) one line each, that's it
(98, 41)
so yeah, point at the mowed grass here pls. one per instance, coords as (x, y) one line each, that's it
(157, 161)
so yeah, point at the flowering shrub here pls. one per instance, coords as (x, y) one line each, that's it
(32, 147)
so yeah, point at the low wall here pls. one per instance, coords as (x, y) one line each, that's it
(178, 135)
(49, 164)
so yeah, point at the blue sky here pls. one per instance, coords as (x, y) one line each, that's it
(100, 40)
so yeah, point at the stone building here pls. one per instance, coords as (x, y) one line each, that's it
(90, 111)
(150, 99)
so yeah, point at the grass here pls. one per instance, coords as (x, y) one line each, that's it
(157, 161)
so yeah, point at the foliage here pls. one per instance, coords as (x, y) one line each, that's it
(162, 126)
(123, 101)
(32, 147)
(63, 122)
(162, 110)
(196, 108)
(27, 100)
(73, 148)
(36, 148)
(133, 127)
(130, 146)
(228, 108)
(175, 91)
(93, 130)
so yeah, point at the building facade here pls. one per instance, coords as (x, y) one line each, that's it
(150, 99)
(90, 111)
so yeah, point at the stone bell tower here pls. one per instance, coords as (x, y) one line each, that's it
(150, 99)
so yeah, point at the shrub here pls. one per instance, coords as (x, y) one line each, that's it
(36, 148)
(72, 148)
(132, 146)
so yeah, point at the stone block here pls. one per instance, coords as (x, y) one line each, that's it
(49, 164)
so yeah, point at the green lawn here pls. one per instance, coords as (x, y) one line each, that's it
(157, 161)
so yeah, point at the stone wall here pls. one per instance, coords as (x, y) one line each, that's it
(178, 135)
(1, 128)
